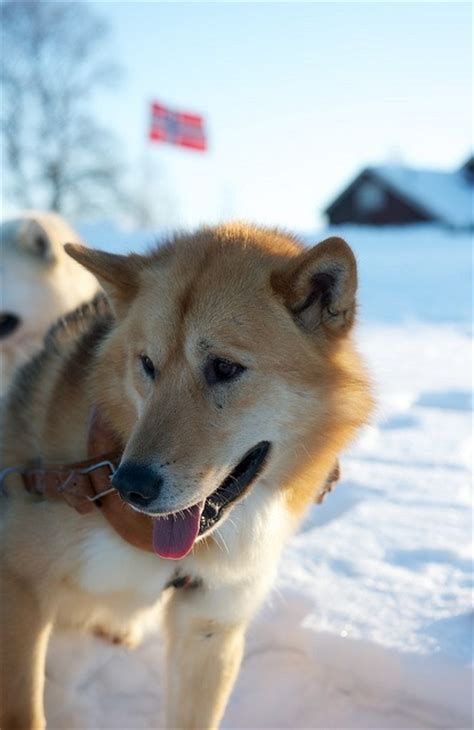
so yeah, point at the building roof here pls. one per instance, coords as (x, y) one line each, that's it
(447, 196)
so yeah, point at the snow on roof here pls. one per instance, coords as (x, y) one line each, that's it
(446, 195)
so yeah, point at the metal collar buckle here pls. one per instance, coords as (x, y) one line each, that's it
(3, 475)
(94, 467)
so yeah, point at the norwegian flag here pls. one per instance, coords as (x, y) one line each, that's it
(180, 128)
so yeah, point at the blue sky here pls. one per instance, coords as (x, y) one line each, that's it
(296, 96)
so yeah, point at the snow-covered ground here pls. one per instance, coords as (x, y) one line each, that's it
(370, 623)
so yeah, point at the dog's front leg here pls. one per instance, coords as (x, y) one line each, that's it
(203, 659)
(25, 630)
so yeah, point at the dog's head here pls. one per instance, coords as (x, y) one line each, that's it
(229, 367)
(39, 283)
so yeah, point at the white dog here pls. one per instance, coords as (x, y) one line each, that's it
(39, 284)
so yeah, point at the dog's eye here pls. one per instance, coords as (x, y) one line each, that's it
(148, 366)
(221, 371)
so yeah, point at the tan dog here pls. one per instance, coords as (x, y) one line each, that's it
(39, 283)
(225, 375)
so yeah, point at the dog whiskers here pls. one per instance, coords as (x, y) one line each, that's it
(219, 540)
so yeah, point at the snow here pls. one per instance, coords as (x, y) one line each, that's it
(447, 195)
(421, 272)
(370, 622)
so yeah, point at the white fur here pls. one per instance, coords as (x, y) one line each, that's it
(37, 286)
(246, 550)
(109, 564)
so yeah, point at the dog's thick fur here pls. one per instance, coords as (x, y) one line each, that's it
(248, 295)
(39, 284)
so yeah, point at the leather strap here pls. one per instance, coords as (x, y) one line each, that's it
(78, 484)
(85, 485)
(331, 481)
(134, 527)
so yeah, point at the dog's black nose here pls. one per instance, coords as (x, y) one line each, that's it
(137, 484)
(9, 322)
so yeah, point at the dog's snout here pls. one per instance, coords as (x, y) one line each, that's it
(9, 322)
(137, 484)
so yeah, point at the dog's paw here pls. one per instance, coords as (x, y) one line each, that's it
(127, 639)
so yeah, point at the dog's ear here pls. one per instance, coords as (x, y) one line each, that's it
(319, 287)
(117, 275)
(34, 238)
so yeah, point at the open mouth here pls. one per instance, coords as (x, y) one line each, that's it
(234, 486)
(174, 534)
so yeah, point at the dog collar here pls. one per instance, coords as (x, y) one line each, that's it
(82, 485)
(86, 485)
(331, 481)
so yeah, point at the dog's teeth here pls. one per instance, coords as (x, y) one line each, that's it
(213, 508)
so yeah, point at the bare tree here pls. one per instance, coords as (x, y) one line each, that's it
(56, 155)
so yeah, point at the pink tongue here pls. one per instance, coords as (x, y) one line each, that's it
(174, 535)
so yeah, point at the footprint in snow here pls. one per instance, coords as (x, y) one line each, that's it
(399, 420)
(456, 400)
(345, 497)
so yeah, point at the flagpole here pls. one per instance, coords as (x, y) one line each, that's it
(176, 127)
(146, 175)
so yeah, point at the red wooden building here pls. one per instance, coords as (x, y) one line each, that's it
(397, 195)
